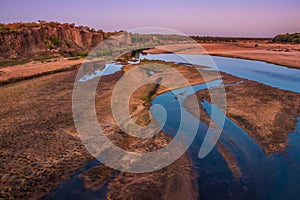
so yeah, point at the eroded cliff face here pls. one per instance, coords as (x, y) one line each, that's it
(30, 42)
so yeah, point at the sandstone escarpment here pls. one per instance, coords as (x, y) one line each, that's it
(37, 39)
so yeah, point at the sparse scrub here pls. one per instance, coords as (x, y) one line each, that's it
(287, 38)
(55, 40)
(81, 54)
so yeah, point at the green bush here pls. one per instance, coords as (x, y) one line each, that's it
(55, 40)
(287, 38)
(50, 47)
(81, 54)
(68, 44)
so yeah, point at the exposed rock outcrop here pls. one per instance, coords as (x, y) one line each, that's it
(46, 39)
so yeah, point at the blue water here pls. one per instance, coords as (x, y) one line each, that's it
(107, 70)
(273, 75)
(263, 177)
(73, 187)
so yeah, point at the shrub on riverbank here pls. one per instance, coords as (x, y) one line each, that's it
(287, 38)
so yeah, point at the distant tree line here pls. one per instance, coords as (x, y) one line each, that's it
(287, 38)
(226, 39)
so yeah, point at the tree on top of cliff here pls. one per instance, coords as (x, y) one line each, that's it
(12, 27)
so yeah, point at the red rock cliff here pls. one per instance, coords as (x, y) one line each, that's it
(45, 39)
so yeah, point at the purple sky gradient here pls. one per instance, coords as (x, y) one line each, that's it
(254, 18)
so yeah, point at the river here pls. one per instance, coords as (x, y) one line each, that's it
(262, 176)
(273, 75)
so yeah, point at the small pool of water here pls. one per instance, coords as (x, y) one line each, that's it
(73, 187)
(107, 70)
